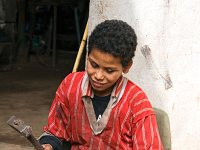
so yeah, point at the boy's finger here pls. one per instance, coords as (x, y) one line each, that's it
(47, 147)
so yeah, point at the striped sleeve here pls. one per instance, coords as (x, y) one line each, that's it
(59, 116)
(146, 134)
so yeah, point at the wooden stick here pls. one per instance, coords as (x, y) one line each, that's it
(80, 51)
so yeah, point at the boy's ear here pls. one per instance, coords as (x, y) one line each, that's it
(126, 69)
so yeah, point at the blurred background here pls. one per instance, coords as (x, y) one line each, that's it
(39, 41)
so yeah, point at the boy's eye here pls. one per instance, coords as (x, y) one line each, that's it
(109, 70)
(94, 65)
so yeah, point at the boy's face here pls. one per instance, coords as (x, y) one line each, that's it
(104, 70)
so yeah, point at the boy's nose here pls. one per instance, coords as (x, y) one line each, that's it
(99, 75)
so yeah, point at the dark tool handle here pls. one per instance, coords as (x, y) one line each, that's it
(21, 127)
(35, 142)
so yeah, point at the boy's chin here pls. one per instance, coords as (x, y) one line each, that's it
(102, 92)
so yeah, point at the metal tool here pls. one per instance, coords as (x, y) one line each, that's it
(25, 130)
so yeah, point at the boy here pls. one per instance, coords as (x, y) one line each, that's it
(99, 108)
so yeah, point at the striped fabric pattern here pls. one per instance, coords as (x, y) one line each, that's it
(128, 122)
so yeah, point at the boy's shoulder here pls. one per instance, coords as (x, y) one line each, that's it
(134, 88)
(75, 75)
(139, 101)
(72, 78)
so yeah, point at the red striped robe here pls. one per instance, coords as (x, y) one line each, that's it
(128, 122)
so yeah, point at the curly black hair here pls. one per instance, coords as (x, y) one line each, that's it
(115, 37)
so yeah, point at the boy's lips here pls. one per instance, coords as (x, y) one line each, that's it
(97, 84)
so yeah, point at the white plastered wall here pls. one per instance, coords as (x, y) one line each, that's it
(167, 61)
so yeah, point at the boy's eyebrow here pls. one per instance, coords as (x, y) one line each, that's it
(113, 68)
(91, 60)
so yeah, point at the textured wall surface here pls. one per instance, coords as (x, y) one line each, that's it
(167, 61)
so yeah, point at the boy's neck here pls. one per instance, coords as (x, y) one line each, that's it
(104, 92)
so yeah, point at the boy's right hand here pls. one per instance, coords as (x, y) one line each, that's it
(47, 146)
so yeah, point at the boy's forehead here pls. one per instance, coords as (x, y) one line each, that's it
(102, 51)
(96, 51)
(104, 58)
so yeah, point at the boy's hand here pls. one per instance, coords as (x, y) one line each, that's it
(47, 146)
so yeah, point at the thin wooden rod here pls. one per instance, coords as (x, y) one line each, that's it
(81, 48)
